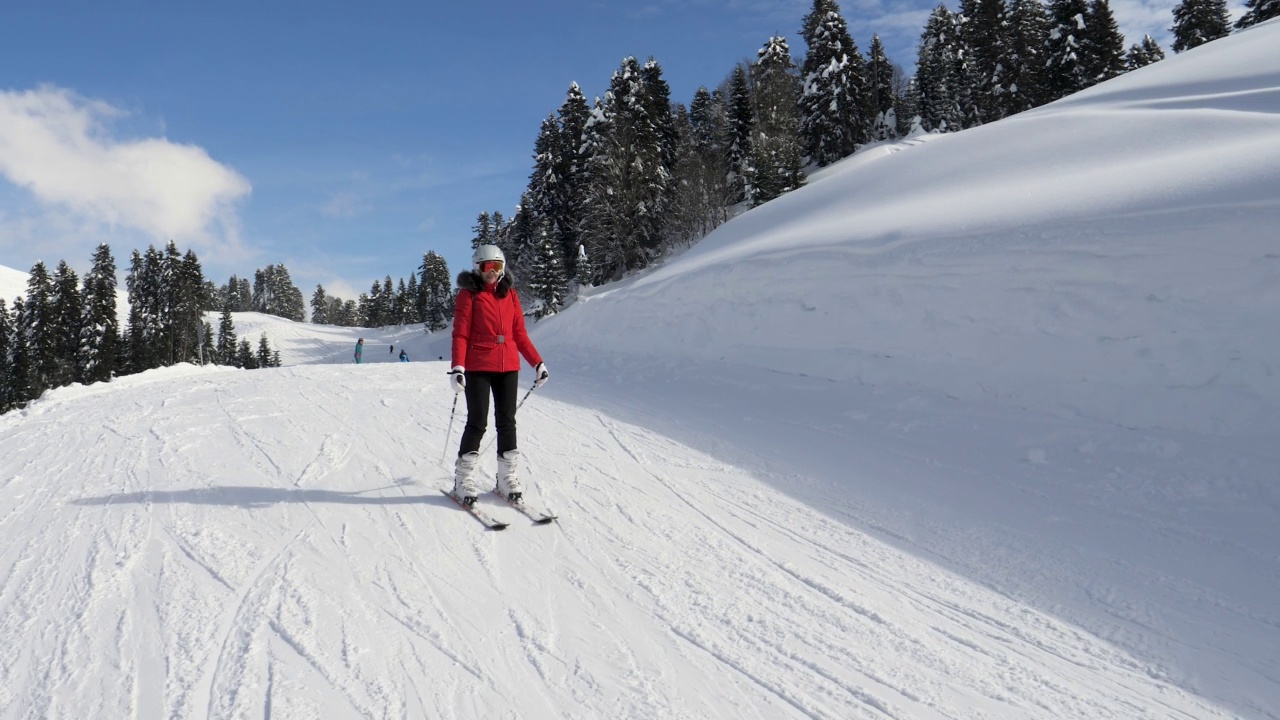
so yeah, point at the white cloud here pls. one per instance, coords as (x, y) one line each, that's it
(58, 146)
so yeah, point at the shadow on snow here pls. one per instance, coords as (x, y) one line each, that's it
(251, 497)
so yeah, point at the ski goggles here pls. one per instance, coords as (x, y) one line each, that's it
(487, 265)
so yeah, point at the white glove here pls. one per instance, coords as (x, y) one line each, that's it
(458, 379)
(540, 374)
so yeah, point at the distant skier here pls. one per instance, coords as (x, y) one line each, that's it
(359, 349)
(488, 339)
(391, 349)
(404, 356)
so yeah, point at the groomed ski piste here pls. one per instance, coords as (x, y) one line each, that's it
(973, 426)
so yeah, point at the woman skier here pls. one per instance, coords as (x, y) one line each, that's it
(359, 349)
(488, 339)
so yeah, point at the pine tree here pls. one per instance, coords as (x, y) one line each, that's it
(100, 343)
(518, 242)
(1103, 44)
(833, 118)
(1066, 62)
(66, 311)
(543, 192)
(483, 230)
(741, 119)
(245, 357)
(629, 181)
(908, 111)
(335, 312)
(364, 309)
(275, 294)
(882, 96)
(320, 307)
(547, 280)
(136, 348)
(1196, 22)
(703, 193)
(585, 268)
(939, 80)
(984, 30)
(170, 329)
(186, 306)
(775, 139)
(1144, 54)
(1028, 38)
(410, 302)
(436, 289)
(225, 349)
(209, 297)
(22, 388)
(6, 359)
(572, 173)
(1258, 11)
(387, 302)
(264, 352)
(41, 331)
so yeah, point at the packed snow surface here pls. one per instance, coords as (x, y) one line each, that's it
(979, 425)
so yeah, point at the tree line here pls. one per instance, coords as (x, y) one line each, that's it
(426, 298)
(66, 331)
(620, 182)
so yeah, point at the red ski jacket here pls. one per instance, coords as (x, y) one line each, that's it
(488, 326)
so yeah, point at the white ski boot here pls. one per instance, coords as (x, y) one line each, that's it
(464, 488)
(508, 482)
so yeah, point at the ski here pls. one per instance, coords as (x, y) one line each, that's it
(476, 511)
(537, 515)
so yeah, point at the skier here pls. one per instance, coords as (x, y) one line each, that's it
(488, 339)
(391, 349)
(359, 349)
(404, 356)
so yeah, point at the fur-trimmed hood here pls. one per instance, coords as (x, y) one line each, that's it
(471, 280)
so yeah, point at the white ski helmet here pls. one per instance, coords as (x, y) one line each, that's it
(486, 253)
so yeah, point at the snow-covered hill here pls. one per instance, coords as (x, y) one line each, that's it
(966, 428)
(13, 283)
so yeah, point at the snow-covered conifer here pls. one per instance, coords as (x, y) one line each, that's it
(1196, 22)
(100, 331)
(1257, 11)
(833, 119)
(226, 346)
(1066, 62)
(1103, 44)
(320, 307)
(775, 138)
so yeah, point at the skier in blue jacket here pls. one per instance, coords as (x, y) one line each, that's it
(359, 349)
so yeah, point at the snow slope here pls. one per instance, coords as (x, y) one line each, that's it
(962, 429)
(1043, 352)
(217, 543)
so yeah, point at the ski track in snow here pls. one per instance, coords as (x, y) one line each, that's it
(262, 546)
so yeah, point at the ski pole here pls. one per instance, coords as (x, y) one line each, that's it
(444, 455)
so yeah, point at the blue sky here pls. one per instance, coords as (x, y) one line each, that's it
(343, 139)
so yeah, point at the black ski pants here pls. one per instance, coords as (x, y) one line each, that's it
(503, 386)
